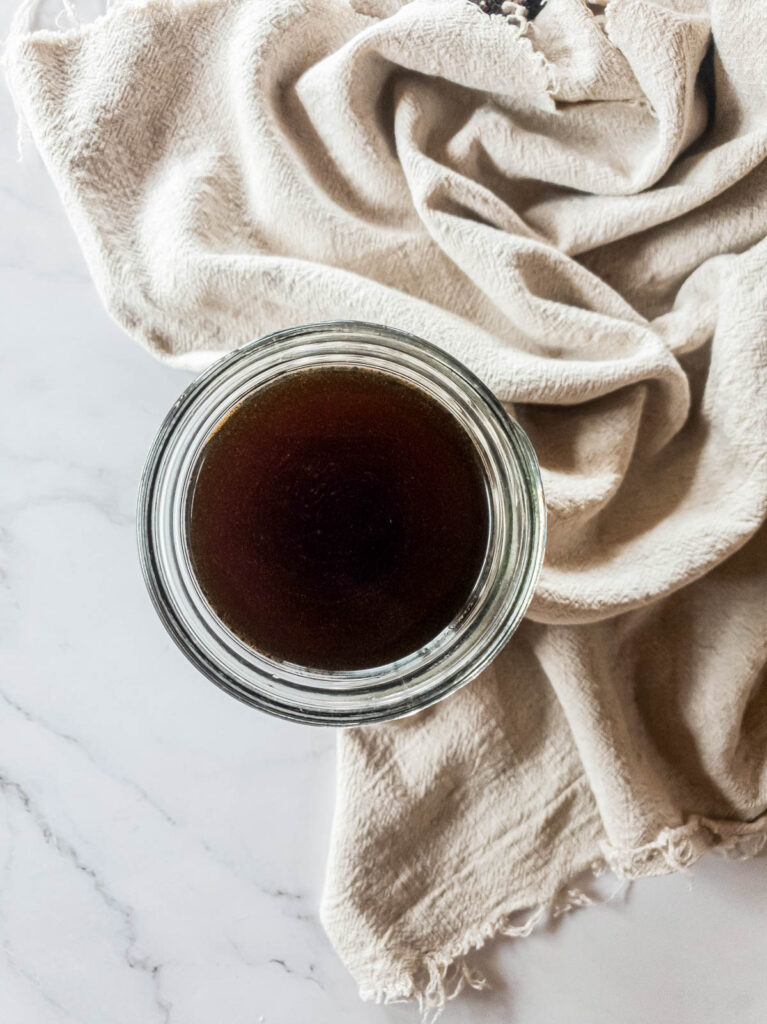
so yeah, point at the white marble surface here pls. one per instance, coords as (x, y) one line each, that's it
(161, 846)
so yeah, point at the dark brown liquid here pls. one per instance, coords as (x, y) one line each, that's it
(339, 519)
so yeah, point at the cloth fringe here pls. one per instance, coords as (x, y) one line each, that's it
(23, 22)
(22, 29)
(677, 849)
(439, 979)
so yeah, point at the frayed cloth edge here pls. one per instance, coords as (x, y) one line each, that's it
(439, 978)
(677, 848)
(23, 30)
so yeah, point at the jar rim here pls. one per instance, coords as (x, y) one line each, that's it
(463, 649)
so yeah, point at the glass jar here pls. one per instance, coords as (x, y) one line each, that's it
(502, 592)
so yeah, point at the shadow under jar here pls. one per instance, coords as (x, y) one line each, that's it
(340, 524)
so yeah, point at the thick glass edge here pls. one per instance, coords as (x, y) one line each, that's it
(393, 709)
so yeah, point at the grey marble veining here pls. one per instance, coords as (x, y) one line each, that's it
(162, 847)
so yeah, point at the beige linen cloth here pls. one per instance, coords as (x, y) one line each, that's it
(577, 208)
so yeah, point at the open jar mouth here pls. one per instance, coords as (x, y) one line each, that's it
(495, 606)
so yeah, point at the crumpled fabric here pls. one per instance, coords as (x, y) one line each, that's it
(576, 207)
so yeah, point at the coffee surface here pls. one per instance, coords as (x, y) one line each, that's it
(339, 518)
